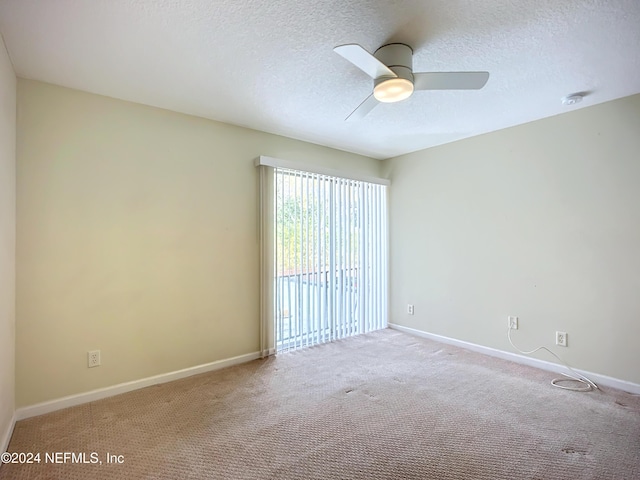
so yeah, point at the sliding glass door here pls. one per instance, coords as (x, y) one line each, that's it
(330, 258)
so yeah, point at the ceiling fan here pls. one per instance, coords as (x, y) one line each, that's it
(391, 67)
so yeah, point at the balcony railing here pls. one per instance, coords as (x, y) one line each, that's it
(312, 307)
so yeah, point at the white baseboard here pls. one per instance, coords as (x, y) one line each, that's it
(6, 436)
(599, 379)
(80, 398)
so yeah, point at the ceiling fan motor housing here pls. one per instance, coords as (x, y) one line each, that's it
(399, 58)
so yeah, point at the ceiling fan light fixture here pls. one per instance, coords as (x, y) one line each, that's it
(393, 90)
(391, 68)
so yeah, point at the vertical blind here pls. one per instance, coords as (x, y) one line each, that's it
(330, 258)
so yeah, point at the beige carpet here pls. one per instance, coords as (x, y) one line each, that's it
(380, 406)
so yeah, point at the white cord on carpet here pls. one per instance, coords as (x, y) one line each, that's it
(588, 385)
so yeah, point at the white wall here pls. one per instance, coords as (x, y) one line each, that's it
(137, 235)
(7, 242)
(541, 221)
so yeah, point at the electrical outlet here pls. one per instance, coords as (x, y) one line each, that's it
(93, 358)
(561, 339)
(513, 322)
(410, 309)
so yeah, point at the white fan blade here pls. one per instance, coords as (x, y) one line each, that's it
(364, 61)
(365, 107)
(450, 80)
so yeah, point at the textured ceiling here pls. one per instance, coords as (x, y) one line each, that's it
(269, 65)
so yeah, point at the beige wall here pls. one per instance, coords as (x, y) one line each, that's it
(541, 221)
(7, 240)
(138, 236)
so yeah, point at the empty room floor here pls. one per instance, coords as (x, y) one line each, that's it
(384, 405)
